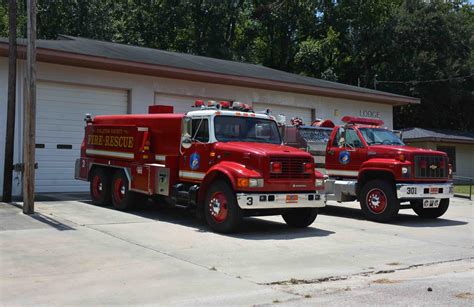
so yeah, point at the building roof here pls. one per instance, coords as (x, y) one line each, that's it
(437, 135)
(78, 51)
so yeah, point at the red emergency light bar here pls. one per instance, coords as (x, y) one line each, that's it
(362, 121)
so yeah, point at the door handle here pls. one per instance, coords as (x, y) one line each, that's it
(331, 152)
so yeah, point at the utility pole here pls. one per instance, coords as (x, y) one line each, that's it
(10, 133)
(29, 131)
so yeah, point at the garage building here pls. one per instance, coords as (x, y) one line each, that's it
(78, 75)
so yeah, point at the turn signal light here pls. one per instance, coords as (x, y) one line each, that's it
(242, 182)
(276, 167)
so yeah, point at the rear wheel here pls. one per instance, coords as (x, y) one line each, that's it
(300, 218)
(221, 210)
(122, 198)
(430, 213)
(378, 200)
(100, 187)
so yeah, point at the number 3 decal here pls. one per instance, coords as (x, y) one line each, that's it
(249, 201)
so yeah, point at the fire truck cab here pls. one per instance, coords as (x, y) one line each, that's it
(223, 159)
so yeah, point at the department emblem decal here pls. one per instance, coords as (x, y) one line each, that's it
(194, 161)
(344, 157)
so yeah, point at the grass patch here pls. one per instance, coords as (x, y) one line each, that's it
(462, 189)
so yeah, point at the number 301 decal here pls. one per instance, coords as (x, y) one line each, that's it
(411, 191)
(249, 201)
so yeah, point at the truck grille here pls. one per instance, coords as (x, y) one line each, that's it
(431, 167)
(291, 168)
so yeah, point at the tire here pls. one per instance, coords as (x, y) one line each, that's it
(430, 213)
(221, 210)
(100, 185)
(122, 198)
(378, 200)
(300, 218)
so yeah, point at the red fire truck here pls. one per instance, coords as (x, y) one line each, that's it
(223, 159)
(364, 161)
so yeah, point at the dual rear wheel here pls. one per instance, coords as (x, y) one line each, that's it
(112, 186)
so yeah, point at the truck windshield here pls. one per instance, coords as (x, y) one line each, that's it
(245, 129)
(378, 136)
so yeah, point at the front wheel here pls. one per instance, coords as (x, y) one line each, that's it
(300, 218)
(430, 213)
(221, 210)
(378, 200)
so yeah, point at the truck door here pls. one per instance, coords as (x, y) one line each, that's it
(345, 153)
(195, 160)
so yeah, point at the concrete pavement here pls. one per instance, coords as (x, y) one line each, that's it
(71, 252)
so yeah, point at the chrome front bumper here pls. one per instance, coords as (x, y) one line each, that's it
(424, 190)
(280, 201)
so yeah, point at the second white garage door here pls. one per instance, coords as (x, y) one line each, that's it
(60, 129)
(289, 112)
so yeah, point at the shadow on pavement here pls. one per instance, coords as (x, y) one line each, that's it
(251, 229)
(51, 222)
(18, 221)
(401, 219)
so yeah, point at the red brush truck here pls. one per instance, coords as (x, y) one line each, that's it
(369, 163)
(223, 159)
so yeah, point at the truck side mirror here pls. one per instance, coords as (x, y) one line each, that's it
(186, 141)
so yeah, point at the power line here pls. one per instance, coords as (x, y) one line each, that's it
(424, 81)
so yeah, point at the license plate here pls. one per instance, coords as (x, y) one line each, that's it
(434, 190)
(291, 198)
(430, 203)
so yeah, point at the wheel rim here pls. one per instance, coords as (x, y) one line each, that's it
(119, 189)
(218, 207)
(376, 201)
(97, 187)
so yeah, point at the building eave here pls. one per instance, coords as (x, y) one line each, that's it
(102, 63)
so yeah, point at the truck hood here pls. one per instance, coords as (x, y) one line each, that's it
(388, 149)
(261, 149)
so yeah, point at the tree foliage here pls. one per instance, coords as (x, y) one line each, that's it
(349, 41)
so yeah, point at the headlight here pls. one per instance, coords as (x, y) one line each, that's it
(404, 170)
(319, 183)
(255, 183)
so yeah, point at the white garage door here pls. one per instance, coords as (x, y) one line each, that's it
(181, 104)
(60, 130)
(289, 112)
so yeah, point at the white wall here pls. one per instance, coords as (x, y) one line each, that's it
(143, 88)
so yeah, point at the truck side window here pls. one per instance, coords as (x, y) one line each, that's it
(200, 130)
(352, 139)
